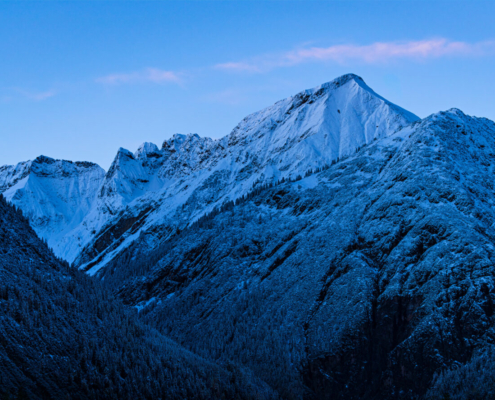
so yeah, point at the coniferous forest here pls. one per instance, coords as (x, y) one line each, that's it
(63, 335)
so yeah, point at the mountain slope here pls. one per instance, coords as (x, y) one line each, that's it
(89, 218)
(55, 195)
(334, 244)
(63, 336)
(358, 282)
(155, 191)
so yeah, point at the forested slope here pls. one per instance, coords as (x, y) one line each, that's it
(361, 281)
(63, 337)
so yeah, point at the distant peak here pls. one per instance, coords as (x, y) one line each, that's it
(146, 150)
(456, 111)
(181, 136)
(179, 139)
(48, 160)
(340, 81)
(124, 152)
(311, 95)
(452, 112)
(86, 164)
(147, 146)
(44, 160)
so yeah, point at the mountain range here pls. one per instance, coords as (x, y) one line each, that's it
(76, 206)
(332, 246)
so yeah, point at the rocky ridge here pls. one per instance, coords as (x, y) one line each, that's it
(165, 189)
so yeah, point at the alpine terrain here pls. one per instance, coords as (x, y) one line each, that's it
(332, 246)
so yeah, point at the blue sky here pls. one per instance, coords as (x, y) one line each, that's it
(80, 79)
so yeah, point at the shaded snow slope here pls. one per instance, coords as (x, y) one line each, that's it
(55, 195)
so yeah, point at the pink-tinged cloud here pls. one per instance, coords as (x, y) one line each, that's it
(153, 75)
(383, 51)
(380, 52)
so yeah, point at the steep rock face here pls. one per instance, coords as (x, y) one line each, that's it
(55, 195)
(63, 336)
(156, 191)
(358, 282)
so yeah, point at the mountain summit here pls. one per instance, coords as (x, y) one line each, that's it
(55, 195)
(331, 120)
(361, 281)
(189, 175)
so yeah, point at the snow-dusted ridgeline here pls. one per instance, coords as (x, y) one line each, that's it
(188, 176)
(363, 280)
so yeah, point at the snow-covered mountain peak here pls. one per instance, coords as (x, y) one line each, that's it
(147, 150)
(318, 125)
(181, 143)
(121, 152)
(346, 110)
(44, 160)
(456, 122)
(336, 83)
(43, 166)
(455, 117)
(190, 175)
(122, 156)
(451, 113)
(55, 195)
(455, 110)
(186, 153)
(47, 166)
(149, 168)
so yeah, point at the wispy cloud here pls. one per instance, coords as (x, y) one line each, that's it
(36, 96)
(375, 53)
(240, 66)
(153, 75)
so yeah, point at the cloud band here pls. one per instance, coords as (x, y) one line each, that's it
(375, 53)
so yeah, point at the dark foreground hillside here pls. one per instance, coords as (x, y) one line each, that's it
(62, 337)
